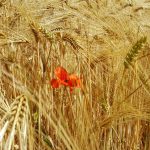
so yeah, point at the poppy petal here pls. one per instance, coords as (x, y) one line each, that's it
(55, 83)
(65, 82)
(78, 82)
(61, 73)
(71, 89)
(74, 81)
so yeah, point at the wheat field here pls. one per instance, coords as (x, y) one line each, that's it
(106, 43)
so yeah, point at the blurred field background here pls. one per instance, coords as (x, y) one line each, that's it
(106, 43)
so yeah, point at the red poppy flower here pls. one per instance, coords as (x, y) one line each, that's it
(54, 83)
(61, 73)
(63, 78)
(74, 81)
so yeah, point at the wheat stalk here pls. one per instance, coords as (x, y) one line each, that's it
(18, 117)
